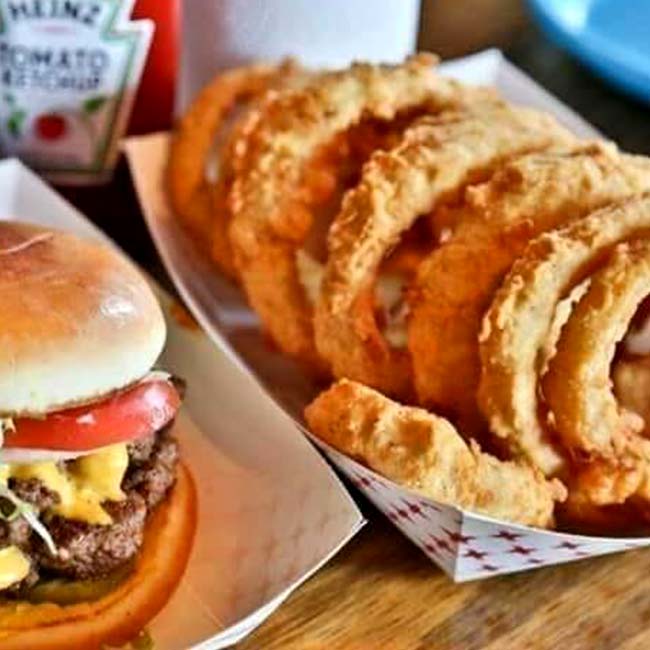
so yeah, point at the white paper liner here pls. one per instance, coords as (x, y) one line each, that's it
(465, 545)
(271, 512)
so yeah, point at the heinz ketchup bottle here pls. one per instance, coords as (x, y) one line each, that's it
(69, 74)
(114, 206)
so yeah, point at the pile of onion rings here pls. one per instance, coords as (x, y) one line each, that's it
(199, 141)
(416, 239)
(436, 157)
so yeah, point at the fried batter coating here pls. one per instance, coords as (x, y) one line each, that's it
(198, 202)
(425, 453)
(273, 197)
(577, 387)
(497, 219)
(436, 158)
(631, 379)
(520, 318)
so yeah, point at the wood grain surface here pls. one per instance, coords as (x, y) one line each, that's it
(380, 592)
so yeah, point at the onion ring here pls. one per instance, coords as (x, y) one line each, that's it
(271, 198)
(580, 516)
(455, 285)
(599, 482)
(200, 204)
(631, 378)
(584, 410)
(437, 157)
(561, 315)
(518, 322)
(425, 453)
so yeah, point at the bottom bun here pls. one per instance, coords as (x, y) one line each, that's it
(118, 617)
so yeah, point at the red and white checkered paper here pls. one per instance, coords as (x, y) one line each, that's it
(465, 545)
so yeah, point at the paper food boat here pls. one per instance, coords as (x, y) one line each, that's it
(465, 545)
(271, 512)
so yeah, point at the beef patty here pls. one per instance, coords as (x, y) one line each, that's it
(90, 550)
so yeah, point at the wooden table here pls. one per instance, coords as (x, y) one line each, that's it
(380, 592)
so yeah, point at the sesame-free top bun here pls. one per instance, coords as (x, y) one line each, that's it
(77, 320)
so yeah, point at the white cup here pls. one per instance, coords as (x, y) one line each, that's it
(219, 34)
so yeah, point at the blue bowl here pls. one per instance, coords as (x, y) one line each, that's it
(612, 37)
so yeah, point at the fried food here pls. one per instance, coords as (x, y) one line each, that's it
(425, 453)
(496, 220)
(579, 516)
(597, 482)
(436, 158)
(518, 322)
(561, 315)
(411, 235)
(637, 339)
(612, 459)
(197, 201)
(631, 378)
(274, 194)
(582, 406)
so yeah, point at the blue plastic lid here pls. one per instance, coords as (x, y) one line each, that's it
(612, 37)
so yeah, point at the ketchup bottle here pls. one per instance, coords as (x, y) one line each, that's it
(154, 102)
(114, 206)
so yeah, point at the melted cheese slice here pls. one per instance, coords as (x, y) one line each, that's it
(82, 485)
(14, 566)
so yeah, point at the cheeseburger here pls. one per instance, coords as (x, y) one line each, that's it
(96, 511)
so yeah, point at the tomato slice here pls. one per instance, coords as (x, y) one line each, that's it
(124, 416)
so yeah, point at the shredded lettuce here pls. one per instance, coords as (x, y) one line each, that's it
(22, 508)
(25, 510)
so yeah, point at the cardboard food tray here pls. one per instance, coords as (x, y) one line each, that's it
(271, 512)
(465, 545)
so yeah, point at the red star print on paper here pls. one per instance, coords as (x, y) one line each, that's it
(571, 546)
(441, 543)
(457, 537)
(414, 508)
(402, 513)
(473, 553)
(431, 548)
(521, 550)
(364, 481)
(506, 534)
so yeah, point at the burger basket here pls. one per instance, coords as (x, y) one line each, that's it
(270, 511)
(465, 545)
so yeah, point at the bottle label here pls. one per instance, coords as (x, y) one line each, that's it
(69, 71)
